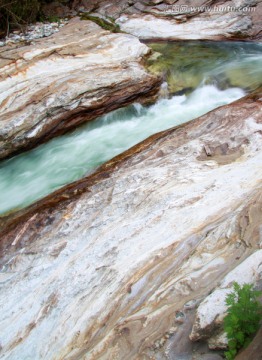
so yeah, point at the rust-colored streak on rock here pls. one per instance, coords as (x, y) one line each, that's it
(180, 134)
(66, 80)
(193, 20)
(125, 248)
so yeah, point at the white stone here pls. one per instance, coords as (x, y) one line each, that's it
(205, 27)
(218, 342)
(80, 66)
(103, 276)
(212, 310)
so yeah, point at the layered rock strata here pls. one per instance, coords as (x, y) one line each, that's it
(180, 19)
(167, 19)
(67, 79)
(211, 312)
(114, 265)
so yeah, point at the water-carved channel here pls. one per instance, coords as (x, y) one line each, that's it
(200, 76)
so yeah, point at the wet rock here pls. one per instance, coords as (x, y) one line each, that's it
(110, 260)
(72, 77)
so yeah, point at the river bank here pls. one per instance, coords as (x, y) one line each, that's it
(51, 87)
(197, 77)
(146, 235)
(132, 261)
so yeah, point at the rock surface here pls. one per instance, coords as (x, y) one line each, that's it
(212, 310)
(168, 19)
(109, 267)
(206, 26)
(254, 350)
(69, 78)
(191, 19)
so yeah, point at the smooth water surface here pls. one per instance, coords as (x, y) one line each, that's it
(187, 65)
(34, 174)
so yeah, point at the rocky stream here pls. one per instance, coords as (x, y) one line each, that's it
(130, 180)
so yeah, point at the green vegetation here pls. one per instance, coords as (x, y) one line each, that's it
(104, 23)
(242, 319)
(17, 13)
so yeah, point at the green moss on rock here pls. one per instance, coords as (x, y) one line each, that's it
(183, 64)
(109, 25)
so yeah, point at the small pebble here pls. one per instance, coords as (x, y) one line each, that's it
(36, 31)
(172, 330)
(190, 305)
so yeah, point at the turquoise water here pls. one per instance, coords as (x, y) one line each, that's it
(34, 174)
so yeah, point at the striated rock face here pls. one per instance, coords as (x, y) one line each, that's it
(113, 266)
(180, 19)
(205, 26)
(177, 19)
(212, 310)
(69, 78)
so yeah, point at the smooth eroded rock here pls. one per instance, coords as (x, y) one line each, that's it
(102, 268)
(195, 20)
(67, 79)
(216, 27)
(180, 19)
(212, 310)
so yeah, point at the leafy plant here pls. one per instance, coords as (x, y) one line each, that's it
(243, 317)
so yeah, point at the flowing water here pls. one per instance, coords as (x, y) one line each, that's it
(201, 77)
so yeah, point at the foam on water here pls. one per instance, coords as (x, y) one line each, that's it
(222, 68)
(32, 175)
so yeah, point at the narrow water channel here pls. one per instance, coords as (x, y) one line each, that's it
(200, 77)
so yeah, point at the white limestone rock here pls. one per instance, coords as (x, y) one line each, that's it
(102, 268)
(208, 26)
(66, 79)
(212, 310)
